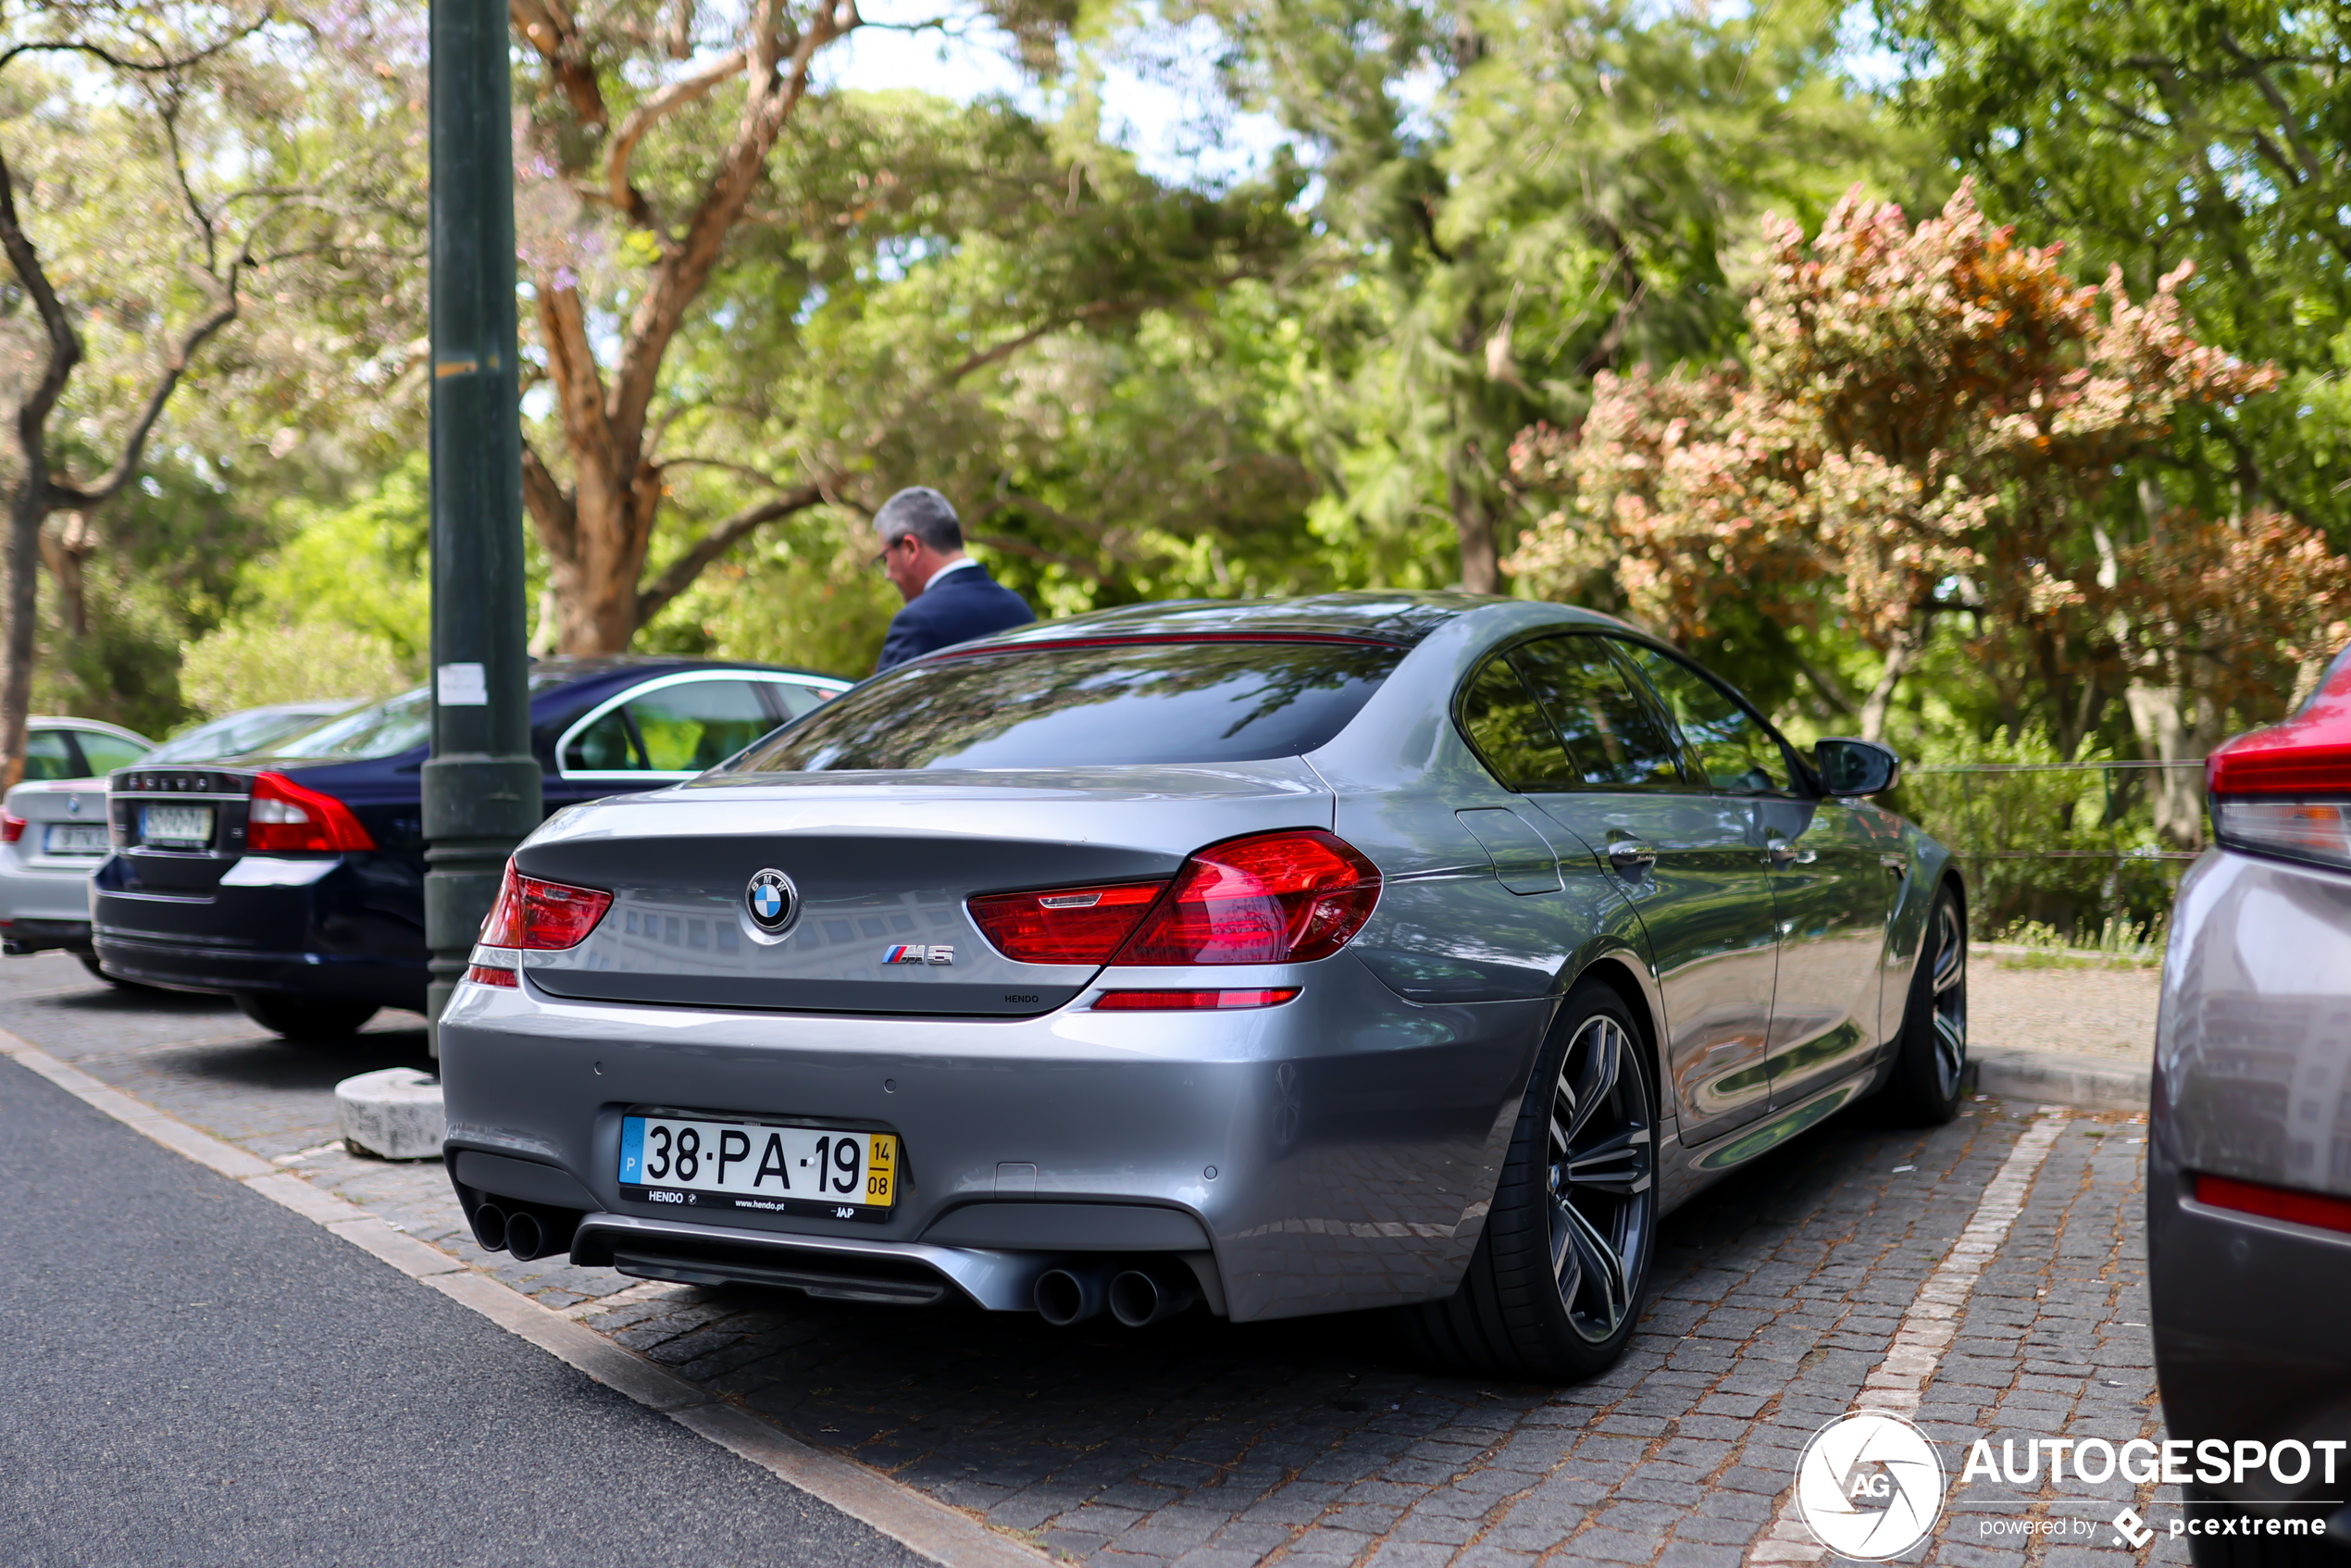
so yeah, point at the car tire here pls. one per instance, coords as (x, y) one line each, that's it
(305, 1021)
(1930, 1059)
(1580, 1195)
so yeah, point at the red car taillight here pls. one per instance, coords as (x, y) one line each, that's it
(1063, 924)
(1271, 898)
(541, 916)
(285, 818)
(11, 828)
(2274, 1202)
(2286, 790)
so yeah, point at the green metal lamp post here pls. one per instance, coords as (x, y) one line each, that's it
(481, 783)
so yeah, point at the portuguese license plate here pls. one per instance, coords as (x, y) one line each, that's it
(819, 1172)
(75, 837)
(178, 827)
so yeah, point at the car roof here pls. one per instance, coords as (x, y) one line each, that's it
(61, 722)
(587, 667)
(1402, 618)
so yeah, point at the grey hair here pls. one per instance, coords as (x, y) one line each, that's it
(924, 513)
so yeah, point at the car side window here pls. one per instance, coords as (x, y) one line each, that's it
(48, 754)
(1511, 731)
(1613, 737)
(1736, 749)
(606, 746)
(682, 729)
(105, 753)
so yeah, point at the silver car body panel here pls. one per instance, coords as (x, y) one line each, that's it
(2253, 1039)
(1339, 1150)
(2253, 1081)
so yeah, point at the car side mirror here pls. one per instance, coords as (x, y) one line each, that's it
(1851, 769)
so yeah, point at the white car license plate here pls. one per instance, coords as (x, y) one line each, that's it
(820, 1172)
(184, 826)
(74, 838)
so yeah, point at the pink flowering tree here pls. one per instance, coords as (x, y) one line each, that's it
(1932, 422)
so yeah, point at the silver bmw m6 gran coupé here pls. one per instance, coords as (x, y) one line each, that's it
(1376, 950)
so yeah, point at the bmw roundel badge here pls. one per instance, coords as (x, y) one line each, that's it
(772, 899)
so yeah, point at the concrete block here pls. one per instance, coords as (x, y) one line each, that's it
(394, 1115)
(2092, 1083)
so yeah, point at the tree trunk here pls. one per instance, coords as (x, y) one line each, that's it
(1901, 652)
(1473, 526)
(2176, 793)
(27, 511)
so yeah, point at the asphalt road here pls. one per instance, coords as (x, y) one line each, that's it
(193, 1374)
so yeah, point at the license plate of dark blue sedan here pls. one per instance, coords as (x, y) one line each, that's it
(817, 1171)
(176, 827)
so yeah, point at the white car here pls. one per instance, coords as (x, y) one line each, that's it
(53, 832)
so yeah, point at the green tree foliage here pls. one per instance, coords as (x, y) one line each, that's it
(1512, 197)
(2142, 136)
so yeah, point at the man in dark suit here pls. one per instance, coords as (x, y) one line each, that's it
(950, 597)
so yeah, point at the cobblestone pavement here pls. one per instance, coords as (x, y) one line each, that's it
(1315, 1443)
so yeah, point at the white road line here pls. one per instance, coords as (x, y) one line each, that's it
(1897, 1383)
(922, 1523)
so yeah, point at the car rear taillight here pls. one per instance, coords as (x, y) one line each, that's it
(1192, 1002)
(1063, 924)
(11, 828)
(540, 917)
(2274, 1202)
(1271, 898)
(491, 975)
(286, 819)
(2286, 790)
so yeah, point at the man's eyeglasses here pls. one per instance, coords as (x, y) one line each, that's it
(883, 559)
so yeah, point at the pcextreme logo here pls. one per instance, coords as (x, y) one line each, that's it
(1870, 1485)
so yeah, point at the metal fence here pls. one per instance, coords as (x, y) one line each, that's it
(2070, 845)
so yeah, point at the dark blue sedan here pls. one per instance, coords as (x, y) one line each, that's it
(293, 879)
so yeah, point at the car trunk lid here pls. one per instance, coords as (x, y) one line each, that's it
(878, 863)
(65, 822)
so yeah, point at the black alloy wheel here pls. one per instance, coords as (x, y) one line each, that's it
(1931, 1060)
(1553, 1292)
(1602, 1152)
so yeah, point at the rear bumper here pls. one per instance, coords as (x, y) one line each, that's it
(353, 934)
(20, 937)
(31, 890)
(2247, 1319)
(1331, 1153)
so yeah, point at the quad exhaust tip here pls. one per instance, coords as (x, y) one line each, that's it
(1140, 1297)
(1137, 1296)
(1072, 1293)
(525, 1233)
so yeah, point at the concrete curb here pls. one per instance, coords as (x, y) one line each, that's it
(2050, 1078)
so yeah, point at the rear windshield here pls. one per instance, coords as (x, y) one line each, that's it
(1088, 707)
(383, 730)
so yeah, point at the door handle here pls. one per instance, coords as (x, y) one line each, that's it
(1897, 866)
(1784, 853)
(1630, 853)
